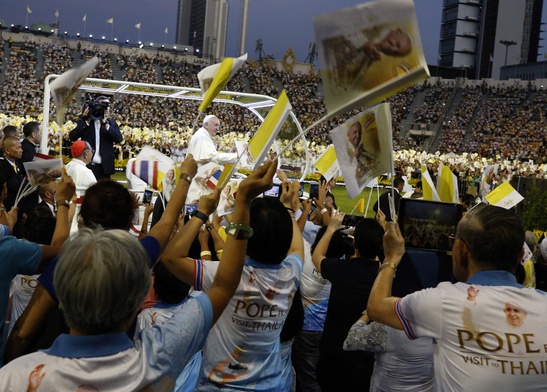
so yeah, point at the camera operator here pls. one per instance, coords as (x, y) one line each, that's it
(101, 133)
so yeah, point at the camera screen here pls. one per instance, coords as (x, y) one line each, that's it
(351, 220)
(273, 191)
(428, 224)
(147, 196)
(190, 208)
(314, 191)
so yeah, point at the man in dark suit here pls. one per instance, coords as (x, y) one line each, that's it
(13, 172)
(47, 194)
(398, 185)
(101, 133)
(31, 143)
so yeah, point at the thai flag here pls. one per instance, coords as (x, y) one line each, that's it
(212, 182)
(146, 171)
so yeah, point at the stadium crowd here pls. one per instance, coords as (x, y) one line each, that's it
(497, 123)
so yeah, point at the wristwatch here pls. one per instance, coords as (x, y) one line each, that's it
(64, 202)
(186, 176)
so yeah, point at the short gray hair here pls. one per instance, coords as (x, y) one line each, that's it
(101, 279)
(207, 118)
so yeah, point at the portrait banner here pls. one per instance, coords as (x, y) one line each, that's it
(363, 147)
(368, 53)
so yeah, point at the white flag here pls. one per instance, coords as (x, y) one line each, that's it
(166, 30)
(29, 11)
(138, 25)
(111, 21)
(84, 18)
(56, 13)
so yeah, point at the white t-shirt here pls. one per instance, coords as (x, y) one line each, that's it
(243, 350)
(478, 349)
(22, 289)
(315, 292)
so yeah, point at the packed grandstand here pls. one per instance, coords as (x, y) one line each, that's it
(465, 124)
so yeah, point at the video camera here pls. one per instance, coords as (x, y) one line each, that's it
(97, 108)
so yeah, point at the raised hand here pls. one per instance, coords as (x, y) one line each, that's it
(257, 182)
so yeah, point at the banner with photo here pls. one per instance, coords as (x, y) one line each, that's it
(368, 53)
(363, 146)
(157, 170)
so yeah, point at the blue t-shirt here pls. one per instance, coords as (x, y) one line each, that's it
(149, 243)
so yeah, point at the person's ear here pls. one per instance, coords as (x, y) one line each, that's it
(461, 259)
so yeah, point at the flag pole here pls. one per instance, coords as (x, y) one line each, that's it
(112, 32)
(85, 21)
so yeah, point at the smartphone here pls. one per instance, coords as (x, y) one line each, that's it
(301, 190)
(189, 209)
(314, 191)
(274, 191)
(147, 196)
(351, 220)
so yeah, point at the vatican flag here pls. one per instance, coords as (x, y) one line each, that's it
(447, 185)
(262, 140)
(430, 193)
(327, 164)
(504, 196)
(65, 86)
(213, 78)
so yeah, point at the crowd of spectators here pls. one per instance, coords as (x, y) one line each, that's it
(495, 122)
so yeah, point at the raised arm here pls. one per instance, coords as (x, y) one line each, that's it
(64, 194)
(163, 229)
(381, 305)
(29, 325)
(175, 257)
(287, 198)
(320, 203)
(322, 247)
(231, 264)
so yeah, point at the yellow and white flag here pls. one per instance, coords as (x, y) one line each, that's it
(65, 86)
(262, 140)
(29, 11)
(213, 78)
(447, 185)
(327, 164)
(430, 193)
(84, 18)
(111, 21)
(138, 25)
(504, 196)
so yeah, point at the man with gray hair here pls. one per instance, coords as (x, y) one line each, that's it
(489, 330)
(203, 148)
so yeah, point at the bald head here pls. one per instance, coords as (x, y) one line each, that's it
(11, 146)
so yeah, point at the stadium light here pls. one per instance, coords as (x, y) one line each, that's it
(507, 43)
(77, 34)
(115, 40)
(126, 41)
(103, 37)
(90, 35)
(66, 33)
